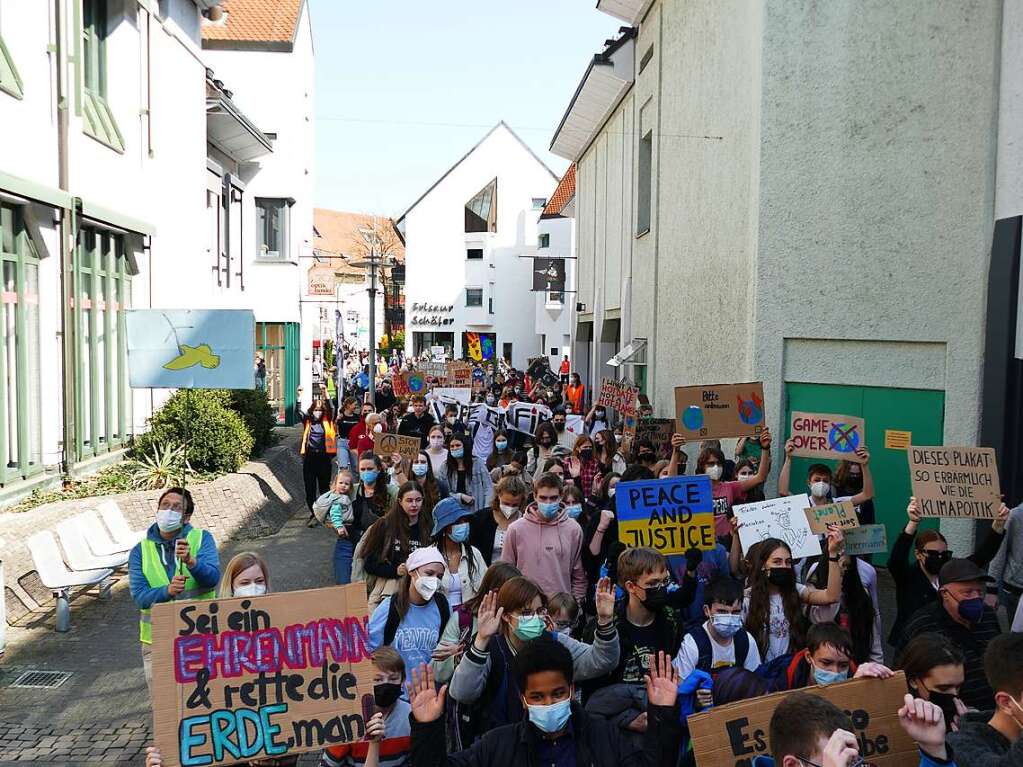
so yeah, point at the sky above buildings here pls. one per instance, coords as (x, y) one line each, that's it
(404, 88)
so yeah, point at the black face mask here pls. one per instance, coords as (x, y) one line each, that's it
(559, 426)
(853, 485)
(933, 561)
(386, 693)
(646, 457)
(782, 577)
(946, 701)
(656, 597)
(586, 453)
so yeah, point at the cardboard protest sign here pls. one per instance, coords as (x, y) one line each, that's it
(438, 370)
(621, 395)
(459, 374)
(842, 514)
(778, 518)
(658, 431)
(822, 435)
(720, 410)
(389, 444)
(415, 382)
(866, 539)
(254, 678)
(955, 481)
(671, 514)
(733, 735)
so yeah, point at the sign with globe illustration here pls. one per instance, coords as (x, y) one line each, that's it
(826, 435)
(720, 410)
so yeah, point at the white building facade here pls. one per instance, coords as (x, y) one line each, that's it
(469, 243)
(734, 181)
(555, 309)
(109, 112)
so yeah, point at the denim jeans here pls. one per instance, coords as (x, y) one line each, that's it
(343, 551)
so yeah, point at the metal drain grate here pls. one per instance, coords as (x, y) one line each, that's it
(42, 680)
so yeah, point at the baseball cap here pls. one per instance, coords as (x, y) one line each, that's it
(959, 570)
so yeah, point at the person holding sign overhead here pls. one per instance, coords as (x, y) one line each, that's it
(173, 561)
(711, 462)
(820, 481)
(773, 604)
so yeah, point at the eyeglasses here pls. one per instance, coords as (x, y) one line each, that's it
(860, 762)
(527, 613)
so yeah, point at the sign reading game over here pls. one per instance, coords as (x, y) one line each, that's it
(670, 515)
(733, 735)
(822, 435)
(955, 481)
(720, 410)
(255, 678)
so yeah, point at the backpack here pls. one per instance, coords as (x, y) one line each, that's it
(394, 620)
(740, 643)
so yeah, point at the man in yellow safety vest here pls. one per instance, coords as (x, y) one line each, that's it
(173, 561)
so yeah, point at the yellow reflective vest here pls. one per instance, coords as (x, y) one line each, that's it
(156, 575)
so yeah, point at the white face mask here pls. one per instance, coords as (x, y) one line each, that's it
(168, 520)
(436, 442)
(427, 586)
(508, 510)
(714, 472)
(611, 492)
(820, 489)
(250, 590)
(378, 429)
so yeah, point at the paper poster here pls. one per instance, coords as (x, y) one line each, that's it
(389, 444)
(459, 374)
(827, 436)
(842, 514)
(720, 410)
(658, 431)
(897, 440)
(526, 416)
(866, 539)
(251, 678)
(191, 348)
(781, 518)
(437, 370)
(574, 424)
(955, 481)
(461, 395)
(620, 395)
(671, 515)
(733, 735)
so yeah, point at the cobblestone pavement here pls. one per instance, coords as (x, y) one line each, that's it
(101, 715)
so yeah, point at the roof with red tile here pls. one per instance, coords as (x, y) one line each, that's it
(255, 21)
(337, 236)
(562, 195)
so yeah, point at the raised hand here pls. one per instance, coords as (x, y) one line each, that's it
(842, 750)
(836, 540)
(604, 596)
(790, 447)
(924, 723)
(426, 700)
(662, 681)
(678, 441)
(488, 620)
(765, 438)
(606, 516)
(1003, 516)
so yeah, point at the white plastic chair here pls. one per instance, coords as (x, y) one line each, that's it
(77, 553)
(57, 578)
(118, 526)
(96, 534)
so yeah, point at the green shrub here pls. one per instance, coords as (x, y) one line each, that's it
(259, 417)
(215, 436)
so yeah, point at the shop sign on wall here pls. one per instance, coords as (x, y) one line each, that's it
(431, 314)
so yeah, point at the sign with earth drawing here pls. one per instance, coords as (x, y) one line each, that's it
(823, 435)
(720, 410)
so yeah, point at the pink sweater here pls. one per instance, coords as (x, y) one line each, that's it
(548, 553)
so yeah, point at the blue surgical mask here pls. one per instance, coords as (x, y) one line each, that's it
(369, 477)
(420, 469)
(457, 452)
(549, 510)
(551, 718)
(501, 445)
(459, 532)
(574, 510)
(726, 625)
(824, 678)
(529, 627)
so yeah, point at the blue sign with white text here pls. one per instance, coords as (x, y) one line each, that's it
(191, 348)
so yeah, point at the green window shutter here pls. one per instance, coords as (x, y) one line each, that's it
(10, 81)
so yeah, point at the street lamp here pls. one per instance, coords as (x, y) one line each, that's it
(373, 261)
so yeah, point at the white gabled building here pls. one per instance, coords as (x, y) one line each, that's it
(469, 243)
(555, 310)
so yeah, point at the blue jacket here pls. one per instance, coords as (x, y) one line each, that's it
(925, 761)
(206, 571)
